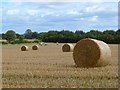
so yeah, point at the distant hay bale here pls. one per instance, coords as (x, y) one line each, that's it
(91, 53)
(67, 47)
(24, 48)
(45, 44)
(35, 47)
(57, 43)
(41, 43)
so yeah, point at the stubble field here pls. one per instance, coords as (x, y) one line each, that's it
(49, 67)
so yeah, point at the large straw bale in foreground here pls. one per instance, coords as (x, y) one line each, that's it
(35, 47)
(67, 47)
(91, 53)
(24, 48)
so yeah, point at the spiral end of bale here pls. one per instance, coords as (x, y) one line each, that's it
(67, 47)
(24, 48)
(91, 53)
(35, 47)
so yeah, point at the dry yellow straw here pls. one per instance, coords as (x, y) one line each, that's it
(91, 53)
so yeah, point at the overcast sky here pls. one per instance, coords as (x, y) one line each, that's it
(45, 16)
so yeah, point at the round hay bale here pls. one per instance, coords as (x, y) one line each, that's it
(24, 48)
(67, 47)
(35, 47)
(91, 53)
(45, 44)
(41, 43)
(57, 43)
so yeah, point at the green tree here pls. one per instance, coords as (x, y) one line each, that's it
(94, 34)
(28, 34)
(41, 35)
(117, 37)
(35, 35)
(79, 35)
(10, 36)
(21, 38)
(3, 36)
(109, 36)
(18, 35)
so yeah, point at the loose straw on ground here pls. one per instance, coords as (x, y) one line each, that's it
(91, 53)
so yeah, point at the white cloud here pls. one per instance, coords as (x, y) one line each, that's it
(0, 15)
(32, 12)
(95, 8)
(101, 7)
(82, 18)
(73, 12)
(51, 6)
(46, 14)
(42, 15)
(57, 15)
(18, 1)
(88, 19)
(0, 10)
(94, 19)
(91, 9)
(12, 12)
(64, 0)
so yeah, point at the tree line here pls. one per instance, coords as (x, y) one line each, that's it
(63, 36)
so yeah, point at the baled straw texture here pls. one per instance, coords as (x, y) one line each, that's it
(45, 44)
(35, 47)
(57, 43)
(41, 43)
(67, 47)
(24, 48)
(91, 53)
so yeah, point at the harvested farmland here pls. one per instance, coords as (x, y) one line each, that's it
(49, 67)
